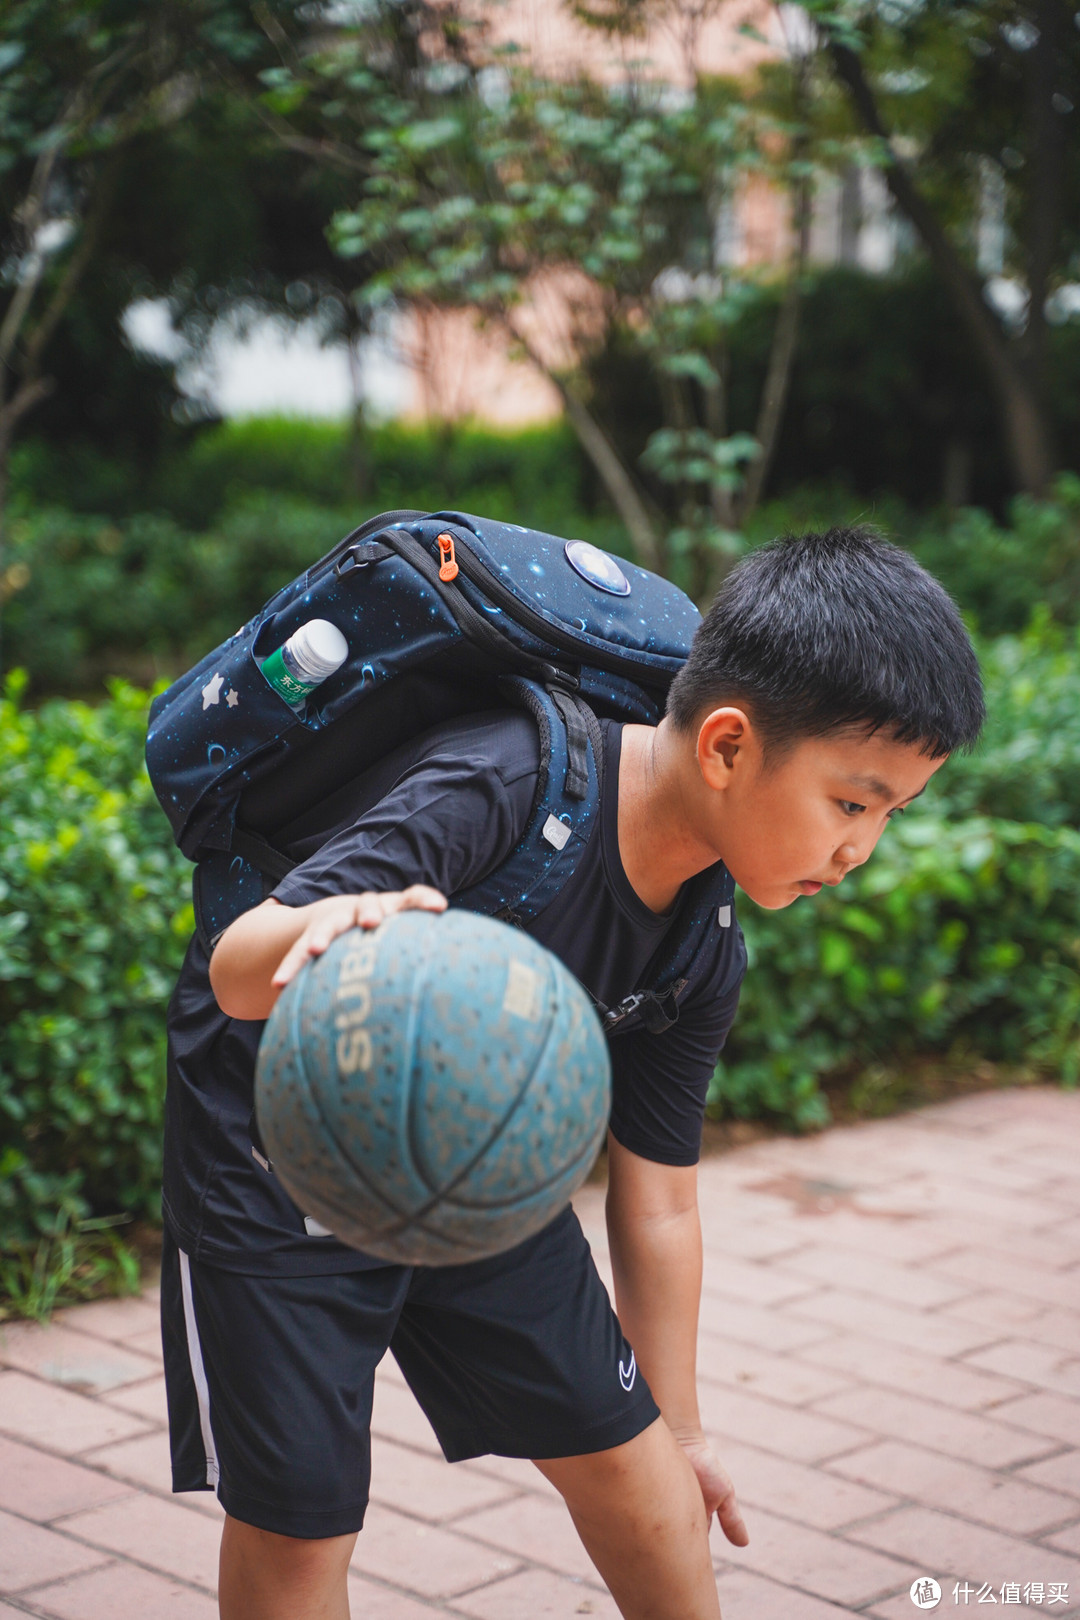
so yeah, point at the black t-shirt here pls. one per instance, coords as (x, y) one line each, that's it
(444, 810)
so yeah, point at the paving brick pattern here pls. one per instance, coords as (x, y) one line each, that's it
(890, 1365)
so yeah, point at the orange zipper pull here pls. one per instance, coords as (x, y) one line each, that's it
(448, 569)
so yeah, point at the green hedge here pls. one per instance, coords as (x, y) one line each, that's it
(146, 595)
(251, 505)
(959, 937)
(94, 918)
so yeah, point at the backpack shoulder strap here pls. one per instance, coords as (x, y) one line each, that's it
(564, 809)
(567, 799)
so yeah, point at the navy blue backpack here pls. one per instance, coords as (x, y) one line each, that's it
(444, 615)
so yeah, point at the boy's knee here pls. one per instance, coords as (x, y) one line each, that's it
(300, 1556)
(596, 1472)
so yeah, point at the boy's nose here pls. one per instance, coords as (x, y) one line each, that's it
(854, 854)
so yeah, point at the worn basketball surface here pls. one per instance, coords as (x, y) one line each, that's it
(433, 1090)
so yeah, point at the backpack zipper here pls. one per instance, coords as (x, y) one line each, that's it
(474, 570)
(472, 623)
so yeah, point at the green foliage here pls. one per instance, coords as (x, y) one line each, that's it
(1028, 767)
(611, 194)
(535, 470)
(883, 398)
(94, 919)
(85, 91)
(248, 505)
(1004, 574)
(957, 937)
(89, 595)
(1001, 573)
(73, 1259)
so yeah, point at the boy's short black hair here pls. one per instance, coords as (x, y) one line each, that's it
(816, 632)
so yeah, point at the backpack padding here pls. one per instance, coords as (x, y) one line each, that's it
(319, 763)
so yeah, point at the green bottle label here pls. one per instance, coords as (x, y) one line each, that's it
(283, 681)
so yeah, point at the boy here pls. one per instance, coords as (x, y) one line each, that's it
(829, 681)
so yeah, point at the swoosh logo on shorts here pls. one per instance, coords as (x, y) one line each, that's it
(628, 1374)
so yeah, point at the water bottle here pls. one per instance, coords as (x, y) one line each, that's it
(310, 655)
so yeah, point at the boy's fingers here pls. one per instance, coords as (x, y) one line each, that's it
(420, 897)
(370, 911)
(312, 942)
(288, 967)
(731, 1521)
(365, 911)
(719, 1492)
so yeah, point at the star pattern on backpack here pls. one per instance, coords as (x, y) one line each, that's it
(211, 692)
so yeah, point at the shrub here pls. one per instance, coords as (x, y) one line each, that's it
(93, 923)
(957, 937)
(144, 595)
(1002, 575)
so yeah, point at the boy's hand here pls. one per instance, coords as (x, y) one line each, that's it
(337, 914)
(716, 1488)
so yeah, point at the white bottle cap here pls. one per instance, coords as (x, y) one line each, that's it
(318, 648)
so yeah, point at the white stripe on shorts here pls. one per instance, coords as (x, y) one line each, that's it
(198, 1372)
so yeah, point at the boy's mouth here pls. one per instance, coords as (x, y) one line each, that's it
(810, 886)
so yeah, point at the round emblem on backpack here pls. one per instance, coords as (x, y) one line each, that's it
(597, 568)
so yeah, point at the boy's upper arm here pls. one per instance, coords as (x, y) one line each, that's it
(660, 1083)
(445, 823)
(642, 1190)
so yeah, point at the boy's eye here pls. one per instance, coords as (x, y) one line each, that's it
(899, 811)
(851, 809)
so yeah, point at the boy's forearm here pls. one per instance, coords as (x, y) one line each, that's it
(656, 1257)
(247, 954)
(263, 950)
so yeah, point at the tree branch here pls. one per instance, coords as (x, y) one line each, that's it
(27, 395)
(781, 359)
(601, 452)
(1025, 431)
(1047, 152)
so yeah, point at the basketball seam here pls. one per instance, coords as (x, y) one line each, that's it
(419, 1214)
(537, 1187)
(420, 1166)
(329, 1134)
(438, 1194)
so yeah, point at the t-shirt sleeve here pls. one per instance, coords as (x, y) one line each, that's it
(447, 822)
(660, 1082)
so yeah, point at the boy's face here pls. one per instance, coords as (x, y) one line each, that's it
(790, 825)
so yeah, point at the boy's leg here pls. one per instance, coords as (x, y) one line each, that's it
(269, 1385)
(638, 1508)
(269, 1577)
(523, 1355)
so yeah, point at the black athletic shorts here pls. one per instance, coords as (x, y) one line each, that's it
(270, 1379)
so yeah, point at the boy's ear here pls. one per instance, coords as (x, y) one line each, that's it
(722, 736)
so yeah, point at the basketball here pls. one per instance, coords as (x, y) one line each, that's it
(433, 1090)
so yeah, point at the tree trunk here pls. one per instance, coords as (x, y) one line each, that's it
(781, 358)
(617, 481)
(605, 458)
(1025, 432)
(1046, 145)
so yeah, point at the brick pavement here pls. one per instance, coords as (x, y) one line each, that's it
(890, 1364)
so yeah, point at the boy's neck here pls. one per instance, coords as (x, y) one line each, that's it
(657, 843)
